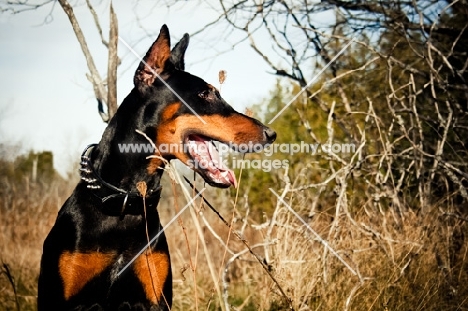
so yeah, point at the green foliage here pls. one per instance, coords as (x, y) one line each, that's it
(402, 100)
(33, 166)
(290, 130)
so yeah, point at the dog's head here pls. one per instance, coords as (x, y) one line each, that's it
(184, 114)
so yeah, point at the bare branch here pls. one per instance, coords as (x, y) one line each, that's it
(113, 62)
(96, 22)
(94, 77)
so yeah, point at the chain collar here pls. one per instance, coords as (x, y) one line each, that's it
(127, 202)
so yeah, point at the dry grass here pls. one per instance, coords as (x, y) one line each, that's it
(416, 262)
(409, 261)
(27, 213)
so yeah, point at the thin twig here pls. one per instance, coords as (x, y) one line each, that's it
(244, 241)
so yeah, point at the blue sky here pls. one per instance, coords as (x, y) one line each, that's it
(46, 102)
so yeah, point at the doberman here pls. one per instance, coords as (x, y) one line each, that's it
(108, 218)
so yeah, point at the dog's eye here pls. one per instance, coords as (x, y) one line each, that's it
(204, 94)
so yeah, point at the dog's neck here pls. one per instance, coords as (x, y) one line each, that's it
(125, 169)
(115, 175)
(125, 173)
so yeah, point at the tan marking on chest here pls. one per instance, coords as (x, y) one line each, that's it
(152, 271)
(77, 269)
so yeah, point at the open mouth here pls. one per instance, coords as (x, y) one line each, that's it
(207, 161)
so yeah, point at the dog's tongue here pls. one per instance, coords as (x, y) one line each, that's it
(205, 152)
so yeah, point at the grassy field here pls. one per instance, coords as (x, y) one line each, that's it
(340, 260)
(381, 226)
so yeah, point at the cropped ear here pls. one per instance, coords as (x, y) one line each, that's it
(178, 52)
(155, 63)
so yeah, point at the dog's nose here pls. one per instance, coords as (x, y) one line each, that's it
(270, 135)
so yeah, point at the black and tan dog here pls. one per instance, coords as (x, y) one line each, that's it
(107, 220)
